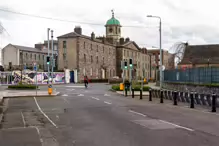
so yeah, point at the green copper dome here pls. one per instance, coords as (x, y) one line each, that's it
(113, 21)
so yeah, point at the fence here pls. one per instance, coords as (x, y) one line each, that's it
(30, 77)
(205, 75)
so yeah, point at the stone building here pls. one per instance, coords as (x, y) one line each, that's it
(15, 56)
(100, 57)
(86, 54)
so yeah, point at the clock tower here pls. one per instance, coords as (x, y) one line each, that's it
(113, 28)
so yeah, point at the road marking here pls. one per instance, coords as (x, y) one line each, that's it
(23, 119)
(65, 100)
(106, 95)
(75, 86)
(44, 113)
(81, 95)
(176, 125)
(65, 95)
(95, 98)
(131, 111)
(107, 102)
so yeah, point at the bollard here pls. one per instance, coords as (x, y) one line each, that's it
(126, 92)
(161, 96)
(133, 93)
(213, 103)
(140, 93)
(150, 95)
(175, 98)
(192, 100)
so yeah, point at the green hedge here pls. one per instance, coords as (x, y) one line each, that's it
(136, 88)
(22, 86)
(99, 80)
(115, 81)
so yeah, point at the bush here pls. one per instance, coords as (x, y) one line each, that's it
(98, 80)
(22, 86)
(135, 87)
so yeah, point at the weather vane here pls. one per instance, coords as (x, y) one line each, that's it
(112, 12)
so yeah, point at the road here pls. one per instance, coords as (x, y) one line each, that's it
(98, 117)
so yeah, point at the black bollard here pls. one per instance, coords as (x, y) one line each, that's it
(213, 103)
(150, 95)
(175, 98)
(140, 93)
(192, 100)
(161, 96)
(126, 92)
(133, 93)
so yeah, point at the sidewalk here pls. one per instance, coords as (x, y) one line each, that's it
(25, 93)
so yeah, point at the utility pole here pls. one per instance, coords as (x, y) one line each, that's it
(48, 53)
(52, 55)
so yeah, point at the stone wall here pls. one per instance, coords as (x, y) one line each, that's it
(191, 88)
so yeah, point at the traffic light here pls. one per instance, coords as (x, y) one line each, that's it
(125, 65)
(48, 59)
(130, 63)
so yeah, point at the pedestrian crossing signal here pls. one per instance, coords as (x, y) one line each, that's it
(125, 65)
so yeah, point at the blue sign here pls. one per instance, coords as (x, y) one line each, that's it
(25, 67)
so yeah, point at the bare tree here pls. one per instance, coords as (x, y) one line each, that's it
(178, 50)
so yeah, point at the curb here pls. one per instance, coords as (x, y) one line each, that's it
(58, 93)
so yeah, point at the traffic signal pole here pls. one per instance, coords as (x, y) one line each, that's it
(130, 74)
(48, 52)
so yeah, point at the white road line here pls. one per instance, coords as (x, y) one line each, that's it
(64, 95)
(176, 125)
(44, 113)
(38, 132)
(81, 95)
(107, 102)
(75, 86)
(65, 100)
(131, 111)
(23, 119)
(95, 98)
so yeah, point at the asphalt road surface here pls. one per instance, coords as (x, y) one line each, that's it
(98, 117)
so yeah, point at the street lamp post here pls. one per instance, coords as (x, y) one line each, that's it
(161, 56)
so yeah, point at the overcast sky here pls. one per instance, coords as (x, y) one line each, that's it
(194, 21)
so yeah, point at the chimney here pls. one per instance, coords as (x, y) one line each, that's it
(78, 30)
(92, 36)
(121, 41)
(127, 40)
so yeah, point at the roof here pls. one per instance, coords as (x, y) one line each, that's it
(201, 54)
(74, 35)
(29, 49)
(131, 42)
(113, 21)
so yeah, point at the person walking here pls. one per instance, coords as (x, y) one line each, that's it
(85, 81)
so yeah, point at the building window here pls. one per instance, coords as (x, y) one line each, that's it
(103, 49)
(91, 72)
(84, 57)
(97, 72)
(109, 51)
(39, 56)
(91, 46)
(91, 59)
(43, 57)
(84, 71)
(97, 48)
(84, 45)
(64, 44)
(97, 59)
(30, 55)
(103, 59)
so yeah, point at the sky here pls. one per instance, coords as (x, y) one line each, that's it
(192, 21)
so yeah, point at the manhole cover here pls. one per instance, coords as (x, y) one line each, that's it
(154, 124)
